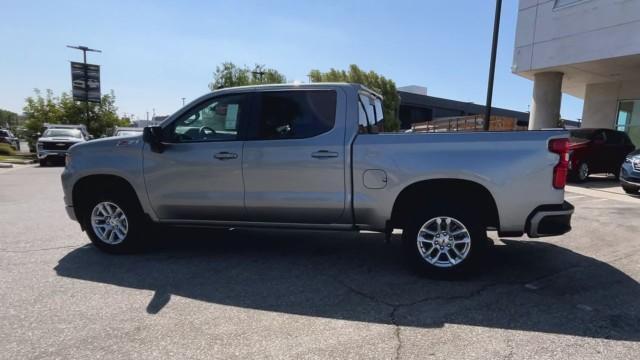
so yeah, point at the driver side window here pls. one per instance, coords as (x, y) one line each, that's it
(217, 119)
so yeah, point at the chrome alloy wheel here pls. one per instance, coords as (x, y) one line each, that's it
(109, 223)
(444, 241)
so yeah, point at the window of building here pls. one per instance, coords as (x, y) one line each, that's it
(628, 119)
(295, 114)
(563, 3)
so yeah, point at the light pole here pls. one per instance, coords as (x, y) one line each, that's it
(183, 102)
(258, 73)
(492, 65)
(84, 50)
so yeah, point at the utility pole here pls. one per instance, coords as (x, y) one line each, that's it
(84, 50)
(260, 73)
(183, 101)
(492, 66)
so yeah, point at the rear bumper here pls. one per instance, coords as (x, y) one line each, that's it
(550, 220)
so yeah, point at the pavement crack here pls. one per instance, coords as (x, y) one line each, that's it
(397, 306)
(397, 330)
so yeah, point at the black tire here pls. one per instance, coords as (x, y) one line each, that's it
(135, 220)
(630, 190)
(43, 162)
(580, 176)
(616, 174)
(478, 243)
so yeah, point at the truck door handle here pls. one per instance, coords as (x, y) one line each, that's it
(224, 155)
(323, 154)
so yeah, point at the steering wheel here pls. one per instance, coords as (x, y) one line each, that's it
(206, 131)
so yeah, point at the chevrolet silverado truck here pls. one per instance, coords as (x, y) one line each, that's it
(56, 141)
(316, 157)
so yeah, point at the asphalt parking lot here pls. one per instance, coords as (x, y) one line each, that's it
(265, 294)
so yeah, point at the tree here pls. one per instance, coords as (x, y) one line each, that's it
(8, 119)
(62, 109)
(229, 75)
(372, 80)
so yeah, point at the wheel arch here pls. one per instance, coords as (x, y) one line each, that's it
(104, 182)
(436, 189)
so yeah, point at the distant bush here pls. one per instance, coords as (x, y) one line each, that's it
(5, 149)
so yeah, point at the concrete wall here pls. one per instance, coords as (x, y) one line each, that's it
(601, 102)
(548, 36)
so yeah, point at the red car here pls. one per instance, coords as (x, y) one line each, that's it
(593, 151)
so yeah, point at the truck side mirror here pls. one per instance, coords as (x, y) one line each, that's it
(152, 135)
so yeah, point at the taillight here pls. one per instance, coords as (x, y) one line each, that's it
(560, 147)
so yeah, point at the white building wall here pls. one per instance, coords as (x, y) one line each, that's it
(600, 105)
(601, 102)
(549, 36)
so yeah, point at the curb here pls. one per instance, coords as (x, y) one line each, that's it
(5, 166)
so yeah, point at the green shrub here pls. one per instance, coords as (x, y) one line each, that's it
(5, 149)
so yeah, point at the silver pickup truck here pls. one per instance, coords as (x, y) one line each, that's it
(316, 157)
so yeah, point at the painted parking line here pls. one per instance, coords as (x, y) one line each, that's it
(595, 200)
(600, 194)
(573, 197)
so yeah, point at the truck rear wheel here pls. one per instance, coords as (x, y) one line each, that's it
(114, 223)
(444, 243)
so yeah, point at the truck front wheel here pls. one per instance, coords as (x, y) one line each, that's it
(114, 223)
(443, 243)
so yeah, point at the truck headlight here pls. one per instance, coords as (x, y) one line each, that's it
(67, 160)
(40, 145)
(627, 159)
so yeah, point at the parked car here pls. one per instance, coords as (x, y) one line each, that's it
(7, 137)
(630, 173)
(595, 151)
(127, 131)
(56, 141)
(310, 157)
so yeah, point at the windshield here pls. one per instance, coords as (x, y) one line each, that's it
(62, 133)
(581, 134)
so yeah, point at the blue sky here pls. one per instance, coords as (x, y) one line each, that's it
(156, 52)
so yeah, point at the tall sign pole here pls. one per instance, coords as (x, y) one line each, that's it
(84, 50)
(492, 66)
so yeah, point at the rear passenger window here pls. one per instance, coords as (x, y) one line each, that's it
(615, 138)
(371, 117)
(295, 114)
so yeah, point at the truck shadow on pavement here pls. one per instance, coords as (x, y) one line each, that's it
(525, 285)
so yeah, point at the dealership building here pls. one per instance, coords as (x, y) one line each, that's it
(586, 48)
(417, 107)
